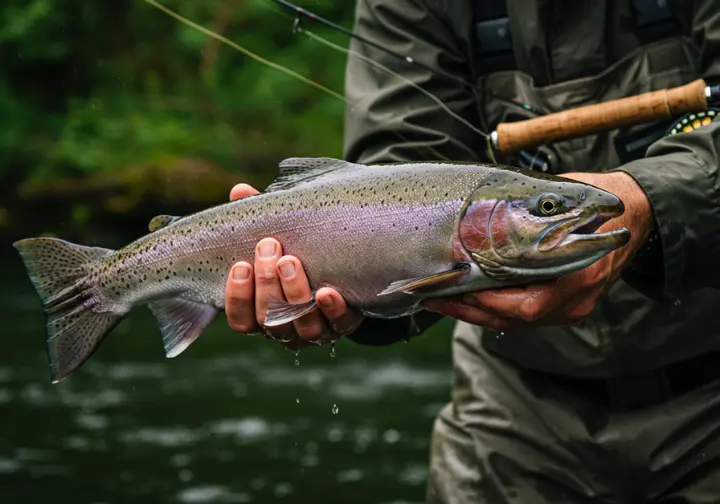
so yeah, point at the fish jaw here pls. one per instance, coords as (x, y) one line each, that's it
(579, 234)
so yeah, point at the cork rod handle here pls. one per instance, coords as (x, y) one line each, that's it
(661, 104)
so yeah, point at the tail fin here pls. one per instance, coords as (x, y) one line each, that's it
(76, 321)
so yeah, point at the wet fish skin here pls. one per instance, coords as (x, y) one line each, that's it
(384, 236)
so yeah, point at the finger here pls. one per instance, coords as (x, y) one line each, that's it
(239, 299)
(471, 315)
(296, 288)
(242, 191)
(267, 282)
(342, 319)
(575, 311)
(530, 304)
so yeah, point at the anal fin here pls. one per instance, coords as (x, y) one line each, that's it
(181, 322)
(417, 285)
(282, 312)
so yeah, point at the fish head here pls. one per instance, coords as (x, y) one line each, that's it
(525, 226)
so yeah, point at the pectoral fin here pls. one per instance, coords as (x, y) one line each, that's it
(282, 312)
(181, 322)
(426, 284)
(495, 270)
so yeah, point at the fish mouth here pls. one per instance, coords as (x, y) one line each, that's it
(580, 231)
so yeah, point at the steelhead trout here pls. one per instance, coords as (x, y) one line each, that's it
(385, 236)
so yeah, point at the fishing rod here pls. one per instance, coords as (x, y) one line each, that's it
(514, 137)
(662, 104)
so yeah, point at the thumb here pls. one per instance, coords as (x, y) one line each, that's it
(242, 191)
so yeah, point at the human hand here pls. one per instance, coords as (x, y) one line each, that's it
(571, 298)
(250, 287)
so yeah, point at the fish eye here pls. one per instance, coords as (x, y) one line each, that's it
(549, 204)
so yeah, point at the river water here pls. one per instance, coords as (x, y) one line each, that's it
(231, 420)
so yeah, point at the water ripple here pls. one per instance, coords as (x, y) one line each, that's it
(165, 436)
(211, 493)
(248, 429)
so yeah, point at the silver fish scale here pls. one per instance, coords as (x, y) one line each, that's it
(383, 223)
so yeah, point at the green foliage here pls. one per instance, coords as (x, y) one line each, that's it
(96, 86)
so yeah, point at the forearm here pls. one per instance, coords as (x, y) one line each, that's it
(681, 180)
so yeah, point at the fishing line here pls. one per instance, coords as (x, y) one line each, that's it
(351, 52)
(300, 13)
(424, 91)
(246, 52)
(325, 89)
(298, 29)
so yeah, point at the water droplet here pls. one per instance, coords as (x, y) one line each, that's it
(297, 361)
(332, 350)
(335, 409)
(677, 302)
(408, 59)
(297, 400)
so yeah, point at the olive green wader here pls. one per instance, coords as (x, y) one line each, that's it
(624, 407)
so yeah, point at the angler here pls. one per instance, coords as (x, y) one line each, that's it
(605, 386)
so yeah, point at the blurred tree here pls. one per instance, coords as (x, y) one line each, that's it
(89, 87)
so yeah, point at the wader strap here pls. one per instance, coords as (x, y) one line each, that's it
(653, 21)
(494, 39)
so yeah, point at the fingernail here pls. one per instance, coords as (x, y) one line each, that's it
(241, 272)
(325, 302)
(267, 248)
(287, 269)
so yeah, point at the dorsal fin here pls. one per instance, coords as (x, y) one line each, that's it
(161, 221)
(294, 171)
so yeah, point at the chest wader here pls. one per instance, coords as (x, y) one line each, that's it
(624, 407)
